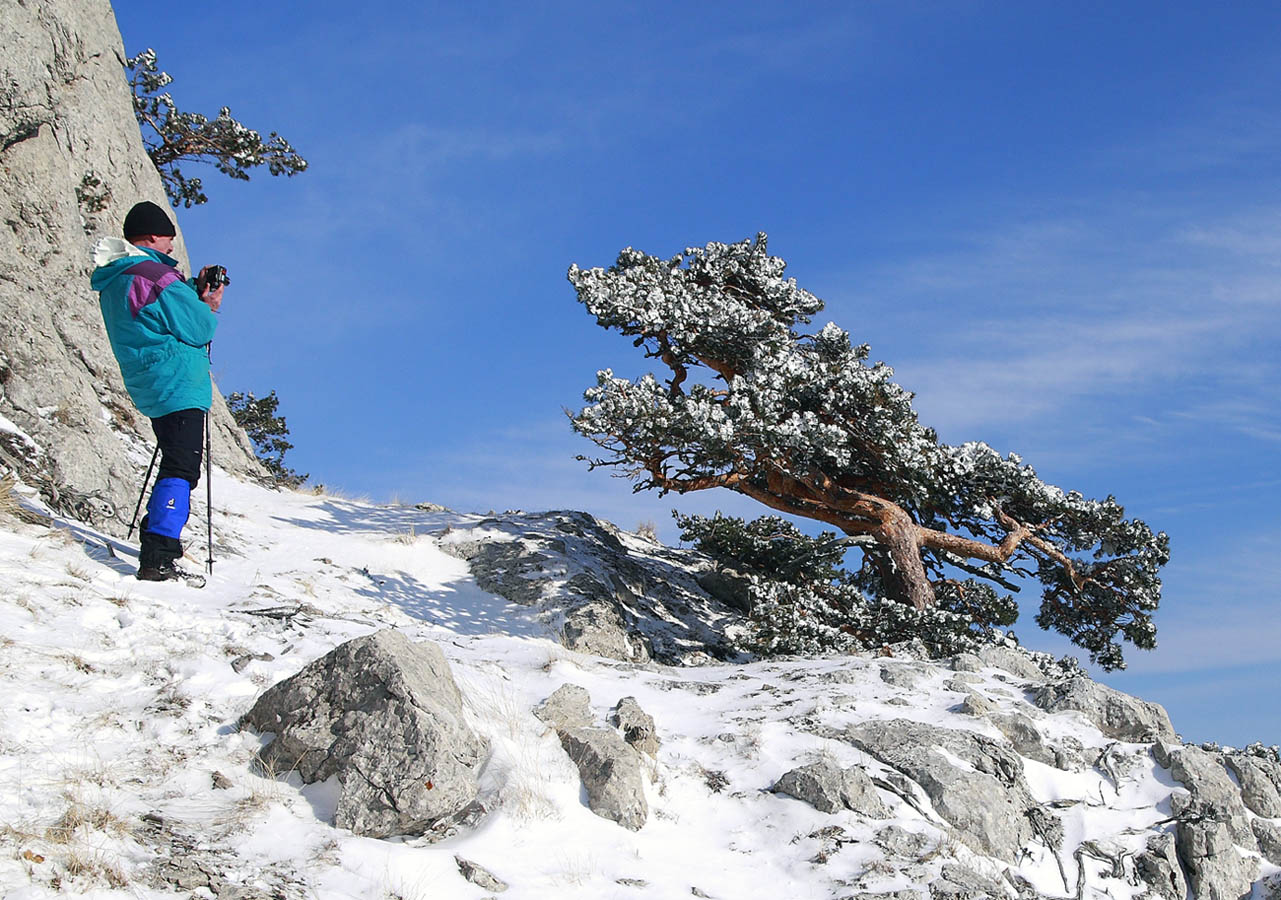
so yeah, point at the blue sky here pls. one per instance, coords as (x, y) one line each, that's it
(1060, 223)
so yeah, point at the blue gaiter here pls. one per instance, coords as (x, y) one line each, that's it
(169, 507)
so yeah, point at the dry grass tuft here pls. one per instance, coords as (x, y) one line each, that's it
(409, 537)
(11, 506)
(94, 867)
(79, 663)
(79, 572)
(80, 816)
(24, 602)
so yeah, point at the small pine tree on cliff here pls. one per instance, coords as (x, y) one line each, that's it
(172, 136)
(799, 421)
(267, 431)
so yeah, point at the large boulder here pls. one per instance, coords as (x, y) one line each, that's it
(830, 789)
(986, 799)
(1117, 715)
(385, 718)
(72, 163)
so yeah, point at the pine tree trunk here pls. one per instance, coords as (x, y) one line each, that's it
(904, 573)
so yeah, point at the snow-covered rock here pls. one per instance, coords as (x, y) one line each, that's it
(384, 719)
(973, 782)
(1116, 714)
(604, 592)
(829, 788)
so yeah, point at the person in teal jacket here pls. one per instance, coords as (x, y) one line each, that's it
(160, 329)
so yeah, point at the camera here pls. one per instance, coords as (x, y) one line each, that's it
(210, 278)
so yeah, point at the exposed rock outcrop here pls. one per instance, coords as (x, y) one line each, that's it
(72, 163)
(610, 768)
(1260, 781)
(987, 800)
(1116, 714)
(1209, 788)
(384, 716)
(627, 602)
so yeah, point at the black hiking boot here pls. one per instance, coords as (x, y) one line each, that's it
(169, 572)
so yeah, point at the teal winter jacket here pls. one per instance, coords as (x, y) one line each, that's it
(159, 327)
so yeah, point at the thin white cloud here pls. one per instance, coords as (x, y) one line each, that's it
(431, 148)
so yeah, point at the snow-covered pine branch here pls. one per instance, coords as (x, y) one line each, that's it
(172, 136)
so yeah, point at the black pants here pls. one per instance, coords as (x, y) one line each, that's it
(181, 436)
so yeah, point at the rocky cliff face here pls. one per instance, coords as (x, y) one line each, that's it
(71, 164)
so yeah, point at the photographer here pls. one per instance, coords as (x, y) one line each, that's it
(160, 326)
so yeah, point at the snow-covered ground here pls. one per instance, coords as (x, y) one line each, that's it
(120, 756)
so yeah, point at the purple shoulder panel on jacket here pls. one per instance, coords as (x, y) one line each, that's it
(149, 279)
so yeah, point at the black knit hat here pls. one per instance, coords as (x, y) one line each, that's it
(148, 218)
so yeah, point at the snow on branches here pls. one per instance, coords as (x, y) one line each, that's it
(800, 421)
(171, 135)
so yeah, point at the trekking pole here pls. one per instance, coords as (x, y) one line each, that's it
(209, 486)
(142, 493)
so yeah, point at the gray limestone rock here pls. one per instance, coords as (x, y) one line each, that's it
(637, 726)
(569, 706)
(611, 774)
(1205, 777)
(1216, 871)
(1115, 714)
(829, 788)
(1268, 834)
(385, 716)
(1016, 662)
(1260, 783)
(967, 662)
(1158, 867)
(959, 883)
(977, 705)
(1026, 739)
(986, 800)
(72, 163)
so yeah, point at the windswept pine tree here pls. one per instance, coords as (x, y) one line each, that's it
(799, 420)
